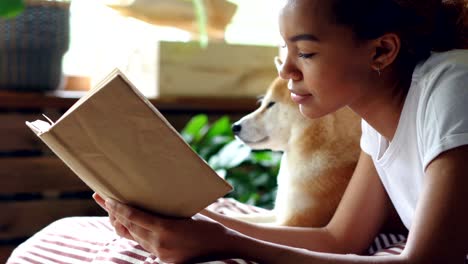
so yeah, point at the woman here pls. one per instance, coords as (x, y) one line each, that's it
(394, 63)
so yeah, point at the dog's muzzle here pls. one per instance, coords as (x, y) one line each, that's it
(236, 129)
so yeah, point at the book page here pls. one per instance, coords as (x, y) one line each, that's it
(39, 126)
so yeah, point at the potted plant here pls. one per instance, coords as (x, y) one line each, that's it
(34, 36)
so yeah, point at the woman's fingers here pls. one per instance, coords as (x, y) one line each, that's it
(133, 215)
(112, 219)
(136, 231)
(120, 229)
(147, 238)
(172, 240)
(99, 200)
(203, 216)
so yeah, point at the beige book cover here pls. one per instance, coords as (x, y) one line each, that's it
(122, 147)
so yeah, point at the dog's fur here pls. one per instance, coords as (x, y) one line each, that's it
(318, 159)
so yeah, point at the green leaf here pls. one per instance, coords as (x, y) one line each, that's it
(266, 158)
(215, 137)
(193, 130)
(207, 149)
(231, 155)
(253, 198)
(261, 155)
(252, 174)
(221, 127)
(261, 180)
(11, 8)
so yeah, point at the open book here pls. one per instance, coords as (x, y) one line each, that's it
(119, 144)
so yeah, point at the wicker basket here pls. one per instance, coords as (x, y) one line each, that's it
(32, 46)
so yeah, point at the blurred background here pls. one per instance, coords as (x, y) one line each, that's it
(127, 37)
(202, 63)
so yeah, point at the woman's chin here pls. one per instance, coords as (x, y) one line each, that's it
(311, 112)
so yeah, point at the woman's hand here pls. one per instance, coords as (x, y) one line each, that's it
(172, 240)
(119, 228)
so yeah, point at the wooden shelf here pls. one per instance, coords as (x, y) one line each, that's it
(63, 100)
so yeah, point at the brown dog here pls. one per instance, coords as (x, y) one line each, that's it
(319, 157)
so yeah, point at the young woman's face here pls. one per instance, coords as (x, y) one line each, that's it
(326, 66)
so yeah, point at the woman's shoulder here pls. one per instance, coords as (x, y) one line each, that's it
(443, 63)
(442, 77)
(443, 72)
(442, 122)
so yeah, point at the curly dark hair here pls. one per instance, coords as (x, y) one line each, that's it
(422, 25)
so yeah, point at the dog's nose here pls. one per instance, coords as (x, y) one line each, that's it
(236, 129)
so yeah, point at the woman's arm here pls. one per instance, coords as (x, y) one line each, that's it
(364, 208)
(439, 233)
(200, 239)
(360, 215)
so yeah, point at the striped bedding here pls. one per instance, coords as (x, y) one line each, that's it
(92, 240)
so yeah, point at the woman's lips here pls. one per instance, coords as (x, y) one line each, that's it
(299, 98)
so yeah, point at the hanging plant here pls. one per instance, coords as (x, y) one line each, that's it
(12, 8)
(200, 13)
(34, 36)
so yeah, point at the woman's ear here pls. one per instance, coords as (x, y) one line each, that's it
(386, 49)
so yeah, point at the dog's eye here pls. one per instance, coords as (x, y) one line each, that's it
(270, 104)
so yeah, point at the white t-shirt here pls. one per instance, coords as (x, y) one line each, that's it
(434, 119)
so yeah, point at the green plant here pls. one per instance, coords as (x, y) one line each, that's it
(200, 13)
(252, 173)
(12, 8)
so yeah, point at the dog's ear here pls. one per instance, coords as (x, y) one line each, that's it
(260, 99)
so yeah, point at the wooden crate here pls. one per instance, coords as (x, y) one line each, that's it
(185, 69)
(219, 70)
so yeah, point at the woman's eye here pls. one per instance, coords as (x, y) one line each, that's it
(305, 55)
(270, 104)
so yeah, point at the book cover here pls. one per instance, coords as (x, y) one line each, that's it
(122, 147)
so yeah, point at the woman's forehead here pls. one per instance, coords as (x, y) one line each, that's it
(306, 9)
(306, 5)
(303, 15)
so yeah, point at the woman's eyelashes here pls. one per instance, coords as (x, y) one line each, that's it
(306, 55)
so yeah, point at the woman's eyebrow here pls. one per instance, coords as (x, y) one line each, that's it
(308, 37)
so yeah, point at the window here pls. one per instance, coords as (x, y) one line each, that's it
(102, 40)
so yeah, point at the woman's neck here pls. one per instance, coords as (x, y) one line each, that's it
(383, 106)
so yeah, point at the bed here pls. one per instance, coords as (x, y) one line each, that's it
(93, 240)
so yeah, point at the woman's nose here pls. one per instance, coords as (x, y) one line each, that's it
(286, 71)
